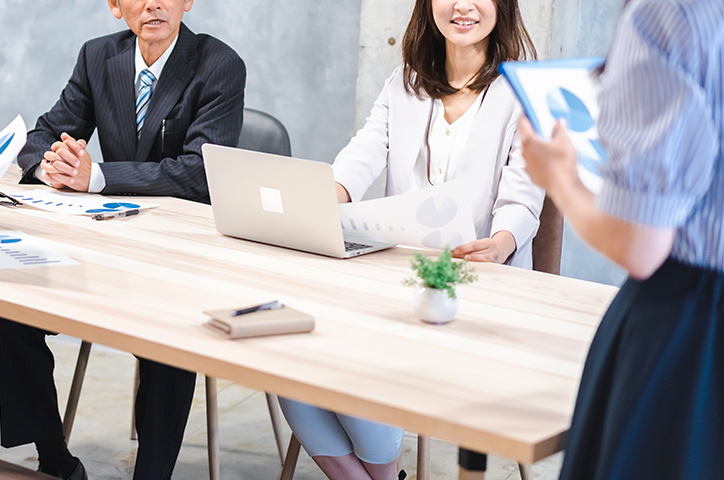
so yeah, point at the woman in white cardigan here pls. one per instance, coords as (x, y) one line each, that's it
(445, 114)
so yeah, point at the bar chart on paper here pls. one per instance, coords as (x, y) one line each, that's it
(18, 250)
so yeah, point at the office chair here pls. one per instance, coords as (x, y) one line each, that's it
(261, 132)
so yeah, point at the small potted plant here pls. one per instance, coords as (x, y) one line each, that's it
(435, 300)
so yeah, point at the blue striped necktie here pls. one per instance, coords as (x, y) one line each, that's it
(144, 96)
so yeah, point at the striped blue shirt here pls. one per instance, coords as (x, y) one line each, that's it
(662, 122)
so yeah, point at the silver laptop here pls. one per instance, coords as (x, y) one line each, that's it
(278, 200)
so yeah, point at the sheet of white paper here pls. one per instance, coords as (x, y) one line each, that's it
(77, 203)
(18, 250)
(430, 218)
(572, 94)
(12, 140)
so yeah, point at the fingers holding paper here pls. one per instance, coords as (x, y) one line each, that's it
(67, 164)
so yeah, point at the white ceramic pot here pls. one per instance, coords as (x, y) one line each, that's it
(433, 305)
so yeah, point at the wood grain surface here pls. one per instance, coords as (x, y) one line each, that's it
(501, 378)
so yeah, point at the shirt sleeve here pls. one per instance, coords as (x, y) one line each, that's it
(655, 122)
(97, 181)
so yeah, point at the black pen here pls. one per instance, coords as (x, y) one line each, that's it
(108, 216)
(273, 305)
(163, 137)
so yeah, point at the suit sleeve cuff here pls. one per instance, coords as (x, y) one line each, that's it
(97, 180)
(517, 220)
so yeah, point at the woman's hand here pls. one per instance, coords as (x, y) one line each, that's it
(342, 193)
(495, 250)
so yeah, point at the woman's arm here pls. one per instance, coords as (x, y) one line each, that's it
(364, 158)
(640, 249)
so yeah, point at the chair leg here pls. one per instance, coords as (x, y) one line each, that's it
(423, 457)
(212, 427)
(75, 387)
(526, 471)
(290, 461)
(275, 412)
(136, 382)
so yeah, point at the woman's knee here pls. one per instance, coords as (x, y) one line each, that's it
(317, 429)
(373, 442)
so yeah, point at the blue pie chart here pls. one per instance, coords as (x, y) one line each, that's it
(564, 104)
(5, 141)
(112, 207)
(592, 163)
(9, 239)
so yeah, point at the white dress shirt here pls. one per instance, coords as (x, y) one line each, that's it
(97, 181)
(447, 142)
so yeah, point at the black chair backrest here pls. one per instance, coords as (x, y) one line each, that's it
(263, 133)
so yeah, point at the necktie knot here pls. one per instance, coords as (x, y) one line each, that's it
(147, 78)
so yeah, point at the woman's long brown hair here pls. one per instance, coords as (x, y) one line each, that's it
(423, 50)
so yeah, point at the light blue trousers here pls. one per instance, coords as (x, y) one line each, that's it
(325, 433)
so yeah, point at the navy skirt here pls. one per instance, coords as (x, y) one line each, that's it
(651, 400)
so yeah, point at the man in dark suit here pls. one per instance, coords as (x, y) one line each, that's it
(155, 93)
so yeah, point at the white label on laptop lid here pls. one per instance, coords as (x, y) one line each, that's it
(271, 199)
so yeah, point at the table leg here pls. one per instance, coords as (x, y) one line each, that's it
(136, 383)
(423, 457)
(526, 471)
(212, 427)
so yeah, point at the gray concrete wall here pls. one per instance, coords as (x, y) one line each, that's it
(301, 58)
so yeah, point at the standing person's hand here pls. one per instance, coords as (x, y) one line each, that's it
(550, 164)
(67, 164)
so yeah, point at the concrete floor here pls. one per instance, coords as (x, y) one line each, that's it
(248, 451)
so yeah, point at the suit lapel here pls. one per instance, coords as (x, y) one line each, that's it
(410, 128)
(175, 77)
(119, 82)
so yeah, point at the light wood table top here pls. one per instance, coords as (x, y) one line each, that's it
(501, 378)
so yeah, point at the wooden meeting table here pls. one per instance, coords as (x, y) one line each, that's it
(501, 378)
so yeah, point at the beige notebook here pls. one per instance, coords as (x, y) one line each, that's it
(258, 324)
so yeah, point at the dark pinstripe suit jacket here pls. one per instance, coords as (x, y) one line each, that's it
(200, 94)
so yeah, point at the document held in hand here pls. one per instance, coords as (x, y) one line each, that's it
(260, 323)
(552, 90)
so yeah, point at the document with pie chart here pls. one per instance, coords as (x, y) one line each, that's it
(433, 217)
(72, 203)
(19, 250)
(551, 90)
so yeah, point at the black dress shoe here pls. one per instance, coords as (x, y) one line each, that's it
(78, 474)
